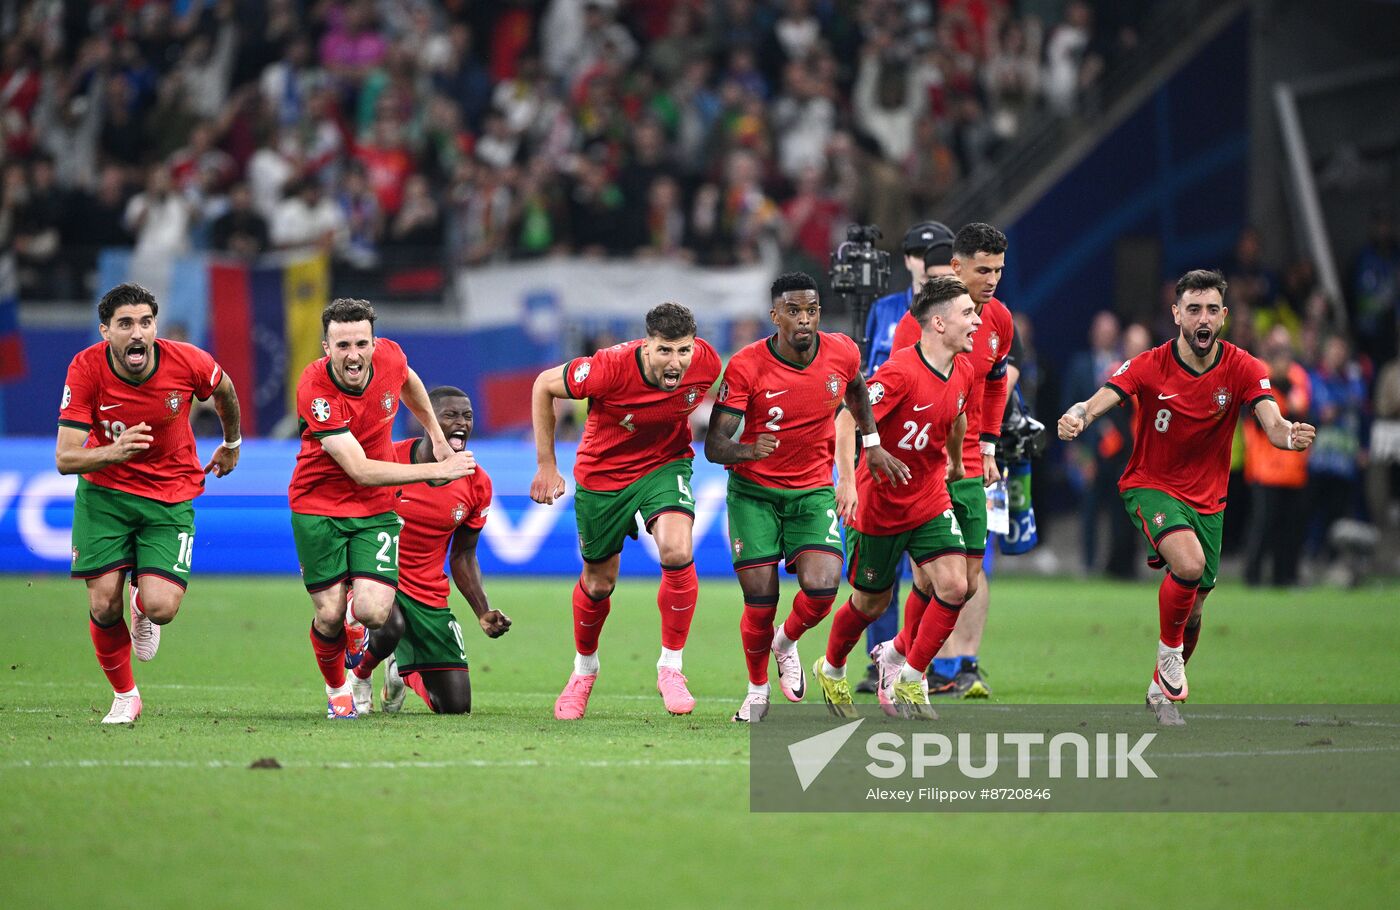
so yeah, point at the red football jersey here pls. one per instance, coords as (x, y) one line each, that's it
(319, 485)
(795, 403)
(431, 514)
(1186, 420)
(102, 403)
(633, 427)
(915, 407)
(986, 403)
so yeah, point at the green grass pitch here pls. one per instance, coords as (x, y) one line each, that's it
(509, 808)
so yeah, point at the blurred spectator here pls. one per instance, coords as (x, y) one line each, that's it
(307, 219)
(888, 97)
(463, 78)
(289, 82)
(207, 63)
(96, 219)
(597, 214)
(1069, 65)
(240, 231)
(814, 217)
(1250, 279)
(352, 44)
(1277, 478)
(1336, 459)
(664, 220)
(1375, 278)
(1012, 75)
(272, 168)
(803, 120)
(416, 233)
(387, 163)
(364, 222)
(201, 158)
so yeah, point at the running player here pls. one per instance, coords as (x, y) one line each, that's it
(634, 457)
(1188, 393)
(124, 426)
(979, 257)
(421, 643)
(343, 521)
(786, 390)
(918, 396)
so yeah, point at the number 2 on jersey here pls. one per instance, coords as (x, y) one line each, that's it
(775, 415)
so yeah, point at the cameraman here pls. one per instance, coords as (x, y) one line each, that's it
(928, 251)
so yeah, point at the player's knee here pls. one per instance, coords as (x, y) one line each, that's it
(1190, 566)
(106, 611)
(952, 590)
(971, 584)
(453, 704)
(373, 611)
(675, 552)
(872, 606)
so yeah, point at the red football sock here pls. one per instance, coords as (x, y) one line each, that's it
(914, 606)
(847, 626)
(756, 632)
(589, 615)
(935, 627)
(367, 665)
(415, 682)
(680, 588)
(330, 656)
(1175, 598)
(808, 609)
(1189, 636)
(113, 646)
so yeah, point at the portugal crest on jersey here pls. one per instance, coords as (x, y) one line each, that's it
(172, 401)
(459, 512)
(1222, 398)
(1123, 369)
(738, 548)
(321, 410)
(877, 392)
(994, 342)
(723, 394)
(833, 385)
(581, 371)
(387, 402)
(1159, 519)
(962, 399)
(690, 395)
(67, 398)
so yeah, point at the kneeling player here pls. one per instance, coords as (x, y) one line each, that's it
(918, 397)
(421, 643)
(787, 389)
(634, 457)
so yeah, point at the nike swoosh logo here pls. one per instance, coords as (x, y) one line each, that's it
(922, 407)
(682, 609)
(108, 407)
(1168, 687)
(384, 568)
(802, 691)
(1161, 397)
(774, 394)
(588, 625)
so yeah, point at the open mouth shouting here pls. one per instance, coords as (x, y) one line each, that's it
(354, 372)
(136, 356)
(457, 440)
(1202, 339)
(671, 378)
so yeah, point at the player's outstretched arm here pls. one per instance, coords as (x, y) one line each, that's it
(846, 496)
(956, 434)
(1282, 432)
(225, 457)
(368, 472)
(720, 447)
(882, 463)
(1083, 413)
(548, 484)
(466, 575)
(71, 458)
(414, 395)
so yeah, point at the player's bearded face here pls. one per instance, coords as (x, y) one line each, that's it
(455, 418)
(797, 314)
(1201, 316)
(981, 273)
(130, 335)
(350, 346)
(667, 360)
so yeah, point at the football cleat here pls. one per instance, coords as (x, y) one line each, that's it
(392, 695)
(753, 710)
(145, 635)
(340, 703)
(940, 685)
(125, 710)
(1170, 674)
(362, 691)
(670, 682)
(356, 643)
(869, 682)
(886, 675)
(791, 679)
(969, 682)
(573, 701)
(911, 702)
(1164, 708)
(835, 692)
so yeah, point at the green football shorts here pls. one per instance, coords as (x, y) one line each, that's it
(768, 523)
(432, 639)
(970, 506)
(1157, 514)
(331, 550)
(607, 518)
(114, 530)
(875, 558)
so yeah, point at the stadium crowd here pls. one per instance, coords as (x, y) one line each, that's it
(404, 134)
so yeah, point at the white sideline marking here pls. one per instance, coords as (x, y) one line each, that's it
(200, 687)
(376, 765)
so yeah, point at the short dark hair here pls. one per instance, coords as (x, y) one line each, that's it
(445, 391)
(935, 295)
(792, 281)
(978, 237)
(347, 309)
(1201, 280)
(125, 295)
(670, 321)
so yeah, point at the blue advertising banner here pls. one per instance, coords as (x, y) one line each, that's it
(243, 524)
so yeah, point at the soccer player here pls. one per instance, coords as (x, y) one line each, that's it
(124, 426)
(918, 397)
(343, 520)
(634, 457)
(1188, 393)
(979, 257)
(421, 643)
(786, 390)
